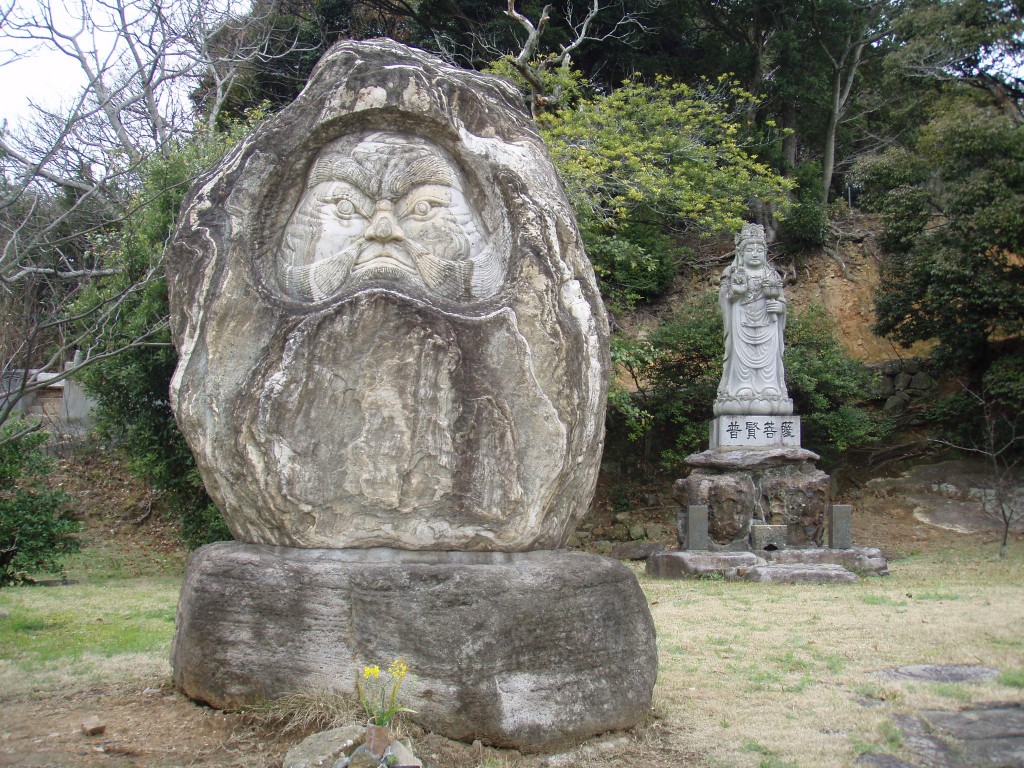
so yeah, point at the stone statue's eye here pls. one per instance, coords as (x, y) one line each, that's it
(345, 207)
(422, 208)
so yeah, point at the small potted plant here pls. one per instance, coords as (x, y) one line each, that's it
(378, 695)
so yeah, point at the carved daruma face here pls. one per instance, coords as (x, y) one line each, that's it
(387, 209)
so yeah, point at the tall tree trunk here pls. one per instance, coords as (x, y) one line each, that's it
(844, 73)
(789, 140)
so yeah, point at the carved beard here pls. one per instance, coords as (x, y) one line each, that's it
(451, 278)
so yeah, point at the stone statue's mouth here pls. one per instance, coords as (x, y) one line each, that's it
(372, 259)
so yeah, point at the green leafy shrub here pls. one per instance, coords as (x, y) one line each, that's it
(649, 161)
(827, 386)
(35, 532)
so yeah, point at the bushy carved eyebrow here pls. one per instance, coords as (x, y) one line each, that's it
(384, 174)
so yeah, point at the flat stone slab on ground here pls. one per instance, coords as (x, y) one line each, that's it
(523, 652)
(864, 560)
(801, 574)
(987, 735)
(941, 673)
(692, 564)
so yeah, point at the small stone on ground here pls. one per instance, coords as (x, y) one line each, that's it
(321, 750)
(635, 550)
(92, 726)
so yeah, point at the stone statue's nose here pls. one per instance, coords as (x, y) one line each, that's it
(383, 226)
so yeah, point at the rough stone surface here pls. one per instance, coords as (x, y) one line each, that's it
(801, 574)
(730, 501)
(636, 550)
(799, 498)
(928, 749)
(525, 652)
(863, 560)
(942, 673)
(735, 458)
(794, 495)
(322, 750)
(388, 332)
(688, 564)
(93, 726)
(986, 735)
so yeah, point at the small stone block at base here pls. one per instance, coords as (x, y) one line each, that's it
(840, 531)
(689, 564)
(697, 527)
(767, 537)
(801, 574)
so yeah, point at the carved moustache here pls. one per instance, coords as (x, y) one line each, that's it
(364, 260)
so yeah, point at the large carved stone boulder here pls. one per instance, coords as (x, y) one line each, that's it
(388, 332)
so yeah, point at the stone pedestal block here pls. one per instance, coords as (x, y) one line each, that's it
(755, 431)
(863, 560)
(529, 651)
(681, 565)
(795, 495)
(801, 574)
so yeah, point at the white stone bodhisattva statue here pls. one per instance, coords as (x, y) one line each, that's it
(754, 310)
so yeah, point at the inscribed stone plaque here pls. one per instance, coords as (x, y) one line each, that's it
(755, 431)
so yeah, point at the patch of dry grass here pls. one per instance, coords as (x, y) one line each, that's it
(309, 711)
(773, 675)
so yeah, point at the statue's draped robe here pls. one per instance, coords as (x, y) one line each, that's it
(753, 378)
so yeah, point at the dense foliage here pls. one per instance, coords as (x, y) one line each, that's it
(953, 211)
(651, 160)
(35, 532)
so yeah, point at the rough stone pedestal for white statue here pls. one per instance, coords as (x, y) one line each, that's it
(393, 366)
(748, 487)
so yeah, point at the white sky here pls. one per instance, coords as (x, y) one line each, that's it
(45, 77)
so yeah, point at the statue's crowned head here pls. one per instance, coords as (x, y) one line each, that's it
(751, 247)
